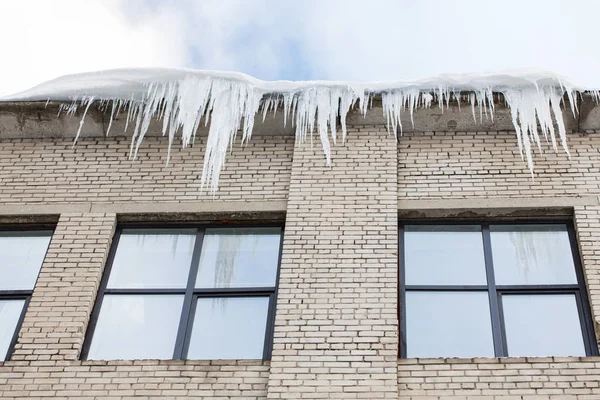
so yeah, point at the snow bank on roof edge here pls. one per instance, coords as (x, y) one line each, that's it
(229, 101)
(125, 83)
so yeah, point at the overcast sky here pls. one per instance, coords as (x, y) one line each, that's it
(299, 39)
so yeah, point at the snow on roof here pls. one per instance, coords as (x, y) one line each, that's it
(229, 101)
(125, 83)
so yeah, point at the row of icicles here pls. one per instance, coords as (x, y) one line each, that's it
(229, 106)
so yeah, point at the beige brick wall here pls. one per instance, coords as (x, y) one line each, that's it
(516, 378)
(587, 223)
(61, 304)
(45, 361)
(460, 165)
(134, 380)
(99, 170)
(447, 166)
(503, 379)
(336, 323)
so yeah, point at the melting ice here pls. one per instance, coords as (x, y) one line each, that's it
(228, 102)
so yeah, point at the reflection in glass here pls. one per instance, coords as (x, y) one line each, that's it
(448, 324)
(229, 328)
(239, 257)
(444, 255)
(532, 254)
(21, 257)
(10, 311)
(134, 327)
(542, 325)
(156, 258)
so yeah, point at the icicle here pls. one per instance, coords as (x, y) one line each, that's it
(457, 98)
(528, 106)
(555, 100)
(265, 107)
(230, 105)
(287, 105)
(426, 99)
(347, 100)
(89, 102)
(112, 116)
(472, 101)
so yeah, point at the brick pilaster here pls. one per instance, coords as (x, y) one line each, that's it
(587, 225)
(336, 329)
(63, 297)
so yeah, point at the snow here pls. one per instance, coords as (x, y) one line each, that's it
(229, 101)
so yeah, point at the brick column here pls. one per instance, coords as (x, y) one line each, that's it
(336, 329)
(63, 297)
(587, 225)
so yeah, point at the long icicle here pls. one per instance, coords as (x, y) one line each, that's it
(228, 105)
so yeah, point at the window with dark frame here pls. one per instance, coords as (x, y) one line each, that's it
(187, 293)
(22, 253)
(492, 290)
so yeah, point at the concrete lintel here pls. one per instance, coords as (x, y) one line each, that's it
(196, 207)
(43, 209)
(506, 207)
(167, 210)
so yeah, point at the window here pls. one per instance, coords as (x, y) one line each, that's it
(21, 257)
(188, 293)
(492, 290)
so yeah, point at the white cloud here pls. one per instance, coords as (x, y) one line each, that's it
(45, 39)
(387, 39)
(318, 39)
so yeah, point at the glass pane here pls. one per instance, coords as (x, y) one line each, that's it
(444, 255)
(21, 257)
(153, 258)
(240, 257)
(10, 311)
(229, 328)
(542, 325)
(132, 327)
(448, 324)
(532, 255)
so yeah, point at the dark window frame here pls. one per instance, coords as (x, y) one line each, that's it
(190, 293)
(495, 292)
(21, 294)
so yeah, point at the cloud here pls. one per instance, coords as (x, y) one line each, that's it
(389, 39)
(290, 39)
(45, 39)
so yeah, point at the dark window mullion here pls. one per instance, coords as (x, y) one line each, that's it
(446, 288)
(185, 341)
(100, 296)
(502, 327)
(584, 333)
(270, 330)
(13, 341)
(14, 294)
(235, 292)
(268, 341)
(143, 291)
(402, 293)
(185, 322)
(497, 331)
(537, 289)
(583, 302)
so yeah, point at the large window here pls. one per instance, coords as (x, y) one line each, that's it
(492, 290)
(205, 293)
(21, 257)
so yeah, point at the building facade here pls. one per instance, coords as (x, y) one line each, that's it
(391, 274)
